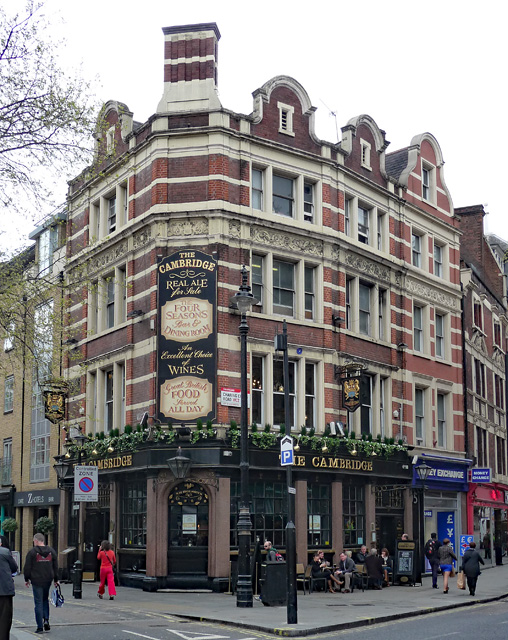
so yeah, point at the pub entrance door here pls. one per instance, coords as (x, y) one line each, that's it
(188, 530)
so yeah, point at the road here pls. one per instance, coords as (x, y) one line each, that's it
(475, 623)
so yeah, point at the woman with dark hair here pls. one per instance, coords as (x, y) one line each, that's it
(107, 558)
(446, 557)
(471, 561)
(319, 569)
(4, 542)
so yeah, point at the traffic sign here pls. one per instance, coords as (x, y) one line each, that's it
(464, 543)
(286, 451)
(86, 483)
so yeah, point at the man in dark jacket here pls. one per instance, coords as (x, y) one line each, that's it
(41, 568)
(374, 566)
(431, 547)
(344, 572)
(8, 566)
(471, 561)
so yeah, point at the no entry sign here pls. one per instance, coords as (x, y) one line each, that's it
(86, 481)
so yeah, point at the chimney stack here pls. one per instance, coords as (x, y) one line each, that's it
(190, 68)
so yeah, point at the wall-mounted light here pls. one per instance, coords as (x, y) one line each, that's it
(135, 313)
(336, 320)
(179, 465)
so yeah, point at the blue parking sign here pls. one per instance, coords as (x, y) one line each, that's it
(286, 451)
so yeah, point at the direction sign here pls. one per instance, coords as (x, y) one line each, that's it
(464, 544)
(286, 451)
(86, 483)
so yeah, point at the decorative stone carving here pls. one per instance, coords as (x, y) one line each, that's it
(372, 269)
(286, 241)
(433, 295)
(97, 263)
(142, 237)
(478, 342)
(235, 229)
(191, 227)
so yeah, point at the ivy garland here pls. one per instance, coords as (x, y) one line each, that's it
(101, 445)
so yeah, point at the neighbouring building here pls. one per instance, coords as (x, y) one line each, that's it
(485, 325)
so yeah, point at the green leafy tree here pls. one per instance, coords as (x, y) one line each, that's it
(47, 117)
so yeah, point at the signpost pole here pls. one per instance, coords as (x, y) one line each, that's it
(292, 607)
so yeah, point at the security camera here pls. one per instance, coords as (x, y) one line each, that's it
(395, 414)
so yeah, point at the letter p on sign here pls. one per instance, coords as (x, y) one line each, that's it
(286, 451)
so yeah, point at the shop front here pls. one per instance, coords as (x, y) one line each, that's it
(487, 516)
(445, 494)
(182, 532)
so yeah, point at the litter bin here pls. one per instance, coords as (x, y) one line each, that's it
(273, 584)
(499, 555)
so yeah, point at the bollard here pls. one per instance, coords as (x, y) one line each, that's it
(77, 578)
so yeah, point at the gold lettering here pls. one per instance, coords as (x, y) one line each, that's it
(315, 462)
(342, 463)
(333, 463)
(300, 461)
(348, 464)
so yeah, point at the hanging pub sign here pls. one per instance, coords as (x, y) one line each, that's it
(54, 405)
(351, 393)
(187, 343)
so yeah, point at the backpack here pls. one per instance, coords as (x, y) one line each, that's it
(278, 557)
(430, 549)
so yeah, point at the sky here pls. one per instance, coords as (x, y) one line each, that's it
(436, 66)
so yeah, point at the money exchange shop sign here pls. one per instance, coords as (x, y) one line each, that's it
(187, 342)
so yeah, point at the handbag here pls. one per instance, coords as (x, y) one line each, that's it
(115, 573)
(461, 580)
(57, 599)
(453, 573)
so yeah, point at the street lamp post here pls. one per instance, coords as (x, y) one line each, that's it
(422, 471)
(244, 300)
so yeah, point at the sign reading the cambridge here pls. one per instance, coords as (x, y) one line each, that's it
(187, 338)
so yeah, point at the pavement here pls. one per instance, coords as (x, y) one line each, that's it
(316, 613)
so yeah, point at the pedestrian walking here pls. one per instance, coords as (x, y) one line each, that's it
(471, 561)
(431, 553)
(107, 558)
(8, 566)
(41, 568)
(446, 558)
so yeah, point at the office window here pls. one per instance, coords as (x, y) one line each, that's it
(366, 408)
(347, 217)
(382, 401)
(285, 118)
(283, 288)
(108, 402)
(308, 201)
(439, 328)
(309, 292)
(382, 295)
(349, 292)
(365, 154)
(479, 374)
(110, 302)
(416, 246)
(497, 334)
(417, 328)
(381, 217)
(283, 195)
(501, 455)
(9, 338)
(364, 292)
(425, 184)
(319, 512)
(478, 315)
(257, 390)
(438, 260)
(310, 395)
(40, 436)
(6, 466)
(257, 278)
(9, 394)
(363, 225)
(419, 415)
(124, 205)
(441, 420)
(106, 399)
(111, 214)
(257, 189)
(481, 447)
(498, 391)
(278, 394)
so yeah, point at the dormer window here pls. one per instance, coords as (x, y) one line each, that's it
(428, 182)
(286, 118)
(365, 151)
(110, 140)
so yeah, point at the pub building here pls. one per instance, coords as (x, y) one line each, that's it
(336, 239)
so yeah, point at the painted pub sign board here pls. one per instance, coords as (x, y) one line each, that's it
(187, 338)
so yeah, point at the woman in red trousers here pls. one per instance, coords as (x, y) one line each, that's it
(108, 559)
